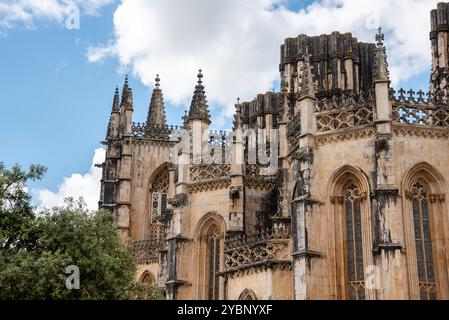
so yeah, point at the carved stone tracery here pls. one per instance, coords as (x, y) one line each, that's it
(244, 251)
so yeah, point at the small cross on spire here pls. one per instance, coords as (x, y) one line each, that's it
(380, 37)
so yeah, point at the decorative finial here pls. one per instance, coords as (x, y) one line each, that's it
(200, 76)
(238, 100)
(380, 37)
(126, 80)
(116, 90)
(158, 80)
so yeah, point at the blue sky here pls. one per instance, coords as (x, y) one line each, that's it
(55, 104)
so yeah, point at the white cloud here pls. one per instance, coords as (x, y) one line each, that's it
(237, 42)
(99, 53)
(77, 185)
(25, 12)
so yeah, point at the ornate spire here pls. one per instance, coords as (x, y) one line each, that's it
(380, 37)
(199, 108)
(156, 111)
(308, 85)
(380, 59)
(185, 119)
(127, 96)
(238, 115)
(116, 103)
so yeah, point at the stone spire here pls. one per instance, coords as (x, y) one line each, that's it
(116, 103)
(114, 120)
(380, 59)
(156, 112)
(308, 85)
(238, 115)
(199, 109)
(127, 96)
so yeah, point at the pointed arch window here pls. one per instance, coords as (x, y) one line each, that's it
(351, 252)
(353, 245)
(159, 191)
(213, 262)
(423, 241)
(148, 278)
(247, 295)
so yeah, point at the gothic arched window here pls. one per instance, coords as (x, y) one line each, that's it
(213, 262)
(351, 252)
(209, 242)
(159, 190)
(353, 245)
(247, 295)
(147, 278)
(423, 241)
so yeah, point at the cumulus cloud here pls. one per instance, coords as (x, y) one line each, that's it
(86, 186)
(237, 42)
(25, 12)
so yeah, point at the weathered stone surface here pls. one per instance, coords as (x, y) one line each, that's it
(361, 182)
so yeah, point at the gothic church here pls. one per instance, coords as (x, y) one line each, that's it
(357, 207)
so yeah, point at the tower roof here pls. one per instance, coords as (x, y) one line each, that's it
(199, 108)
(156, 111)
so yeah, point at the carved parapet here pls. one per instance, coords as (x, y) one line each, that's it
(148, 250)
(245, 251)
(344, 118)
(162, 133)
(256, 179)
(209, 172)
(209, 185)
(414, 109)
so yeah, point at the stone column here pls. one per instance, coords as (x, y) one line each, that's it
(124, 189)
(237, 190)
(385, 278)
(303, 203)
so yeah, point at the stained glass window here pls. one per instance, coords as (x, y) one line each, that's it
(421, 222)
(155, 206)
(214, 264)
(159, 195)
(354, 247)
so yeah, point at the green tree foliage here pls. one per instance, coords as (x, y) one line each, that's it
(143, 291)
(36, 249)
(16, 212)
